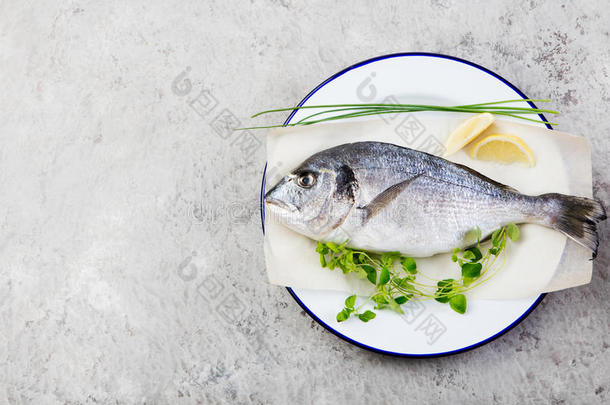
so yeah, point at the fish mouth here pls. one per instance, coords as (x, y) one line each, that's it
(280, 204)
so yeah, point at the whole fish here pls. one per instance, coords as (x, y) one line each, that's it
(383, 197)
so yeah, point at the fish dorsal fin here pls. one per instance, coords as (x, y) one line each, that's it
(385, 197)
(487, 179)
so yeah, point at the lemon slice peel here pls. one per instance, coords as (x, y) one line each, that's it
(467, 131)
(503, 148)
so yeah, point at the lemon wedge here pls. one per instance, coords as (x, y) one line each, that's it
(467, 131)
(503, 148)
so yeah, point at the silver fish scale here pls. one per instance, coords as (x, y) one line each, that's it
(435, 212)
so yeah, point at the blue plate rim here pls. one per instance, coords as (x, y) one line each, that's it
(296, 297)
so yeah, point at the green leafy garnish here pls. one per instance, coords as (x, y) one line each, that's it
(367, 316)
(475, 252)
(396, 277)
(458, 303)
(343, 315)
(401, 300)
(384, 277)
(371, 273)
(350, 301)
(513, 232)
(445, 290)
(409, 265)
(471, 270)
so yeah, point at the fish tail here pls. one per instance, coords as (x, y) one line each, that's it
(576, 217)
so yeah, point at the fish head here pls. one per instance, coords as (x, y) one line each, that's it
(313, 199)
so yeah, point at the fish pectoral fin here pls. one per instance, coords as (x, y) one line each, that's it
(385, 197)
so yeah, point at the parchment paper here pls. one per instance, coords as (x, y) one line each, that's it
(543, 260)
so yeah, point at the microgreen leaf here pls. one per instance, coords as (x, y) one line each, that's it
(384, 276)
(404, 283)
(349, 257)
(378, 299)
(445, 288)
(458, 303)
(495, 237)
(468, 255)
(475, 252)
(350, 301)
(409, 265)
(513, 232)
(333, 246)
(343, 315)
(343, 267)
(448, 282)
(471, 270)
(367, 316)
(371, 273)
(321, 248)
(401, 300)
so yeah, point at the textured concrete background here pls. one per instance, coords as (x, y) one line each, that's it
(130, 249)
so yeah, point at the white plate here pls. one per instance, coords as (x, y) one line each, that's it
(427, 328)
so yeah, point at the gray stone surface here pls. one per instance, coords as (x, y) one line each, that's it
(130, 229)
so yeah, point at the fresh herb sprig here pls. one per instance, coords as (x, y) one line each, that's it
(395, 276)
(332, 112)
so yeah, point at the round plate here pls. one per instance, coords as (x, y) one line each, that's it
(427, 328)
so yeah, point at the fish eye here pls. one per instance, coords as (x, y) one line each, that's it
(306, 180)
